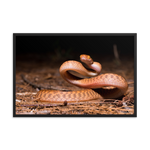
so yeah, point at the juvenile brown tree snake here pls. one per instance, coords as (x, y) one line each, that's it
(107, 85)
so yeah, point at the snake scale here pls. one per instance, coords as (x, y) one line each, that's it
(107, 85)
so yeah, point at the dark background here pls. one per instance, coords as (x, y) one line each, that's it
(61, 47)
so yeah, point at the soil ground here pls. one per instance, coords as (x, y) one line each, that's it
(45, 74)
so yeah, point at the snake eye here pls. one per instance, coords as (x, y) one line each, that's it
(88, 57)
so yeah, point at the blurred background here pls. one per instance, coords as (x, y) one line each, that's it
(57, 48)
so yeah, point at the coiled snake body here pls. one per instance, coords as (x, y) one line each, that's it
(107, 85)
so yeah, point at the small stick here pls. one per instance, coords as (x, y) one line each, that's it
(29, 82)
(39, 86)
(116, 52)
(131, 82)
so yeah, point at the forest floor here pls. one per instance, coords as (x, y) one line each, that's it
(45, 75)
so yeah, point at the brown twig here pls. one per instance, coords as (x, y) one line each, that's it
(116, 54)
(115, 51)
(131, 82)
(39, 86)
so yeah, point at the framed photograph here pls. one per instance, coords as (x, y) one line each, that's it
(74, 75)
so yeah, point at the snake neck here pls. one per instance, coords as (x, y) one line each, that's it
(79, 68)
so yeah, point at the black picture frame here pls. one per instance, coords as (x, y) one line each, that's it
(14, 34)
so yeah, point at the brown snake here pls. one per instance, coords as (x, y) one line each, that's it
(107, 85)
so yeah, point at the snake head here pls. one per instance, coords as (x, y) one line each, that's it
(86, 59)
